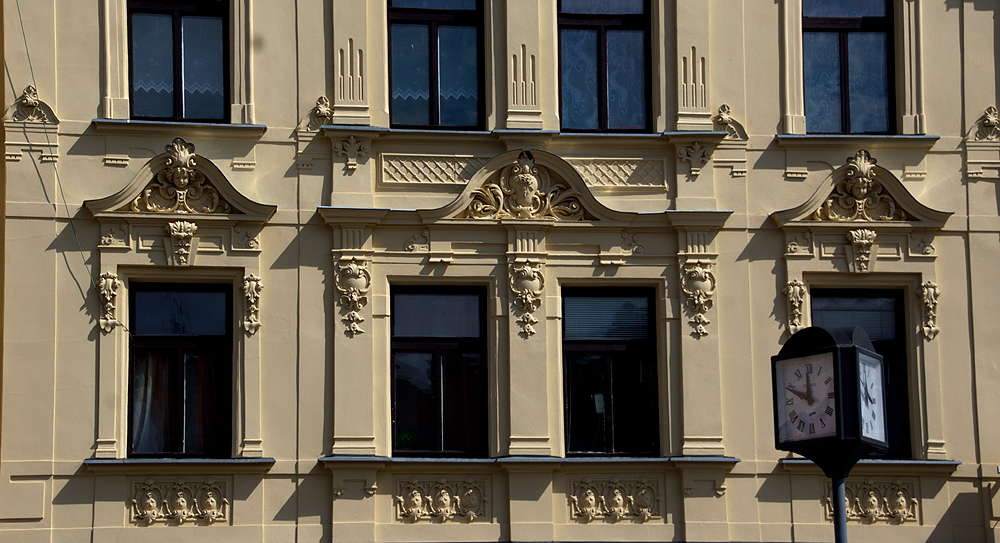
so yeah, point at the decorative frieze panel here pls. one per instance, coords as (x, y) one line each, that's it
(928, 294)
(353, 282)
(870, 501)
(859, 196)
(178, 502)
(615, 499)
(620, 172)
(443, 170)
(525, 191)
(698, 286)
(107, 287)
(527, 282)
(442, 500)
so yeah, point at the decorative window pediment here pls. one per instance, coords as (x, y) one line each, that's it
(861, 191)
(527, 185)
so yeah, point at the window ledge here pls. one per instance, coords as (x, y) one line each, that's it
(176, 128)
(678, 461)
(889, 141)
(874, 466)
(115, 466)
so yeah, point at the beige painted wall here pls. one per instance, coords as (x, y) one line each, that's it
(312, 428)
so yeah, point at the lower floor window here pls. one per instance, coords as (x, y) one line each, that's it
(439, 372)
(180, 370)
(609, 360)
(880, 312)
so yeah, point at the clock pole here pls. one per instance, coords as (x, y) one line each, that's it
(839, 511)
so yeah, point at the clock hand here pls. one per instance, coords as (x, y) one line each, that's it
(809, 395)
(797, 393)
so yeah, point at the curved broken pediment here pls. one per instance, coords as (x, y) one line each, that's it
(181, 182)
(527, 185)
(860, 191)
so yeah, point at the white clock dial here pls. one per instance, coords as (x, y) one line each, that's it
(872, 397)
(806, 395)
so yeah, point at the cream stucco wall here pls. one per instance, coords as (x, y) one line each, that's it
(313, 195)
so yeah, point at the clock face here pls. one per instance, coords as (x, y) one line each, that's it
(871, 397)
(806, 396)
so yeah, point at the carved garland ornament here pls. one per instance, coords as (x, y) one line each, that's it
(698, 284)
(180, 187)
(872, 501)
(441, 500)
(353, 282)
(251, 292)
(795, 291)
(928, 294)
(614, 500)
(525, 191)
(527, 282)
(107, 288)
(27, 107)
(179, 502)
(988, 126)
(862, 241)
(859, 197)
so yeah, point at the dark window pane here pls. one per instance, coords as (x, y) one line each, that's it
(459, 76)
(626, 79)
(843, 8)
(586, 425)
(417, 424)
(821, 74)
(633, 385)
(578, 53)
(204, 83)
(463, 388)
(151, 403)
(171, 312)
(866, 53)
(152, 65)
(605, 317)
(603, 7)
(876, 315)
(434, 4)
(411, 89)
(436, 315)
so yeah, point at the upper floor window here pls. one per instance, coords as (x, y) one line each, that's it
(880, 313)
(439, 371)
(609, 363)
(436, 52)
(180, 372)
(847, 51)
(604, 59)
(178, 67)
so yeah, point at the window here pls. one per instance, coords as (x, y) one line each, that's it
(439, 373)
(880, 313)
(609, 356)
(435, 51)
(180, 370)
(603, 65)
(179, 64)
(847, 51)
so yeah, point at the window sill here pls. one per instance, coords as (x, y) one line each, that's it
(873, 466)
(889, 141)
(116, 466)
(177, 128)
(554, 461)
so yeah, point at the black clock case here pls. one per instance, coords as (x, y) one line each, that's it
(837, 454)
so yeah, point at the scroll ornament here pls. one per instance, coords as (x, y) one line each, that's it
(27, 107)
(441, 500)
(180, 187)
(525, 191)
(320, 112)
(614, 500)
(859, 197)
(179, 502)
(527, 283)
(928, 293)
(353, 282)
(698, 284)
(795, 291)
(107, 288)
(251, 292)
(724, 118)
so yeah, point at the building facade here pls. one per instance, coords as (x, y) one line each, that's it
(491, 270)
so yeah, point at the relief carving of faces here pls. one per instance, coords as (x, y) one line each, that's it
(443, 499)
(589, 501)
(414, 500)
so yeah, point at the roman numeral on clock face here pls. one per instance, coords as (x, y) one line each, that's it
(793, 416)
(829, 410)
(829, 395)
(802, 426)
